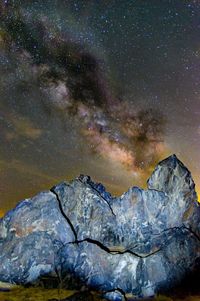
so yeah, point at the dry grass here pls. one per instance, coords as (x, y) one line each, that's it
(34, 294)
(18, 293)
(165, 298)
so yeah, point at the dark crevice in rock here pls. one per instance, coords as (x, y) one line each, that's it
(99, 194)
(108, 250)
(103, 247)
(63, 213)
(92, 241)
(140, 256)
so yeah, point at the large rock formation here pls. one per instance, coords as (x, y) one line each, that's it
(138, 244)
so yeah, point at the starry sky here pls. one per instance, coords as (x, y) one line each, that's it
(104, 88)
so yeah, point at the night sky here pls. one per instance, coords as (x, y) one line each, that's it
(104, 88)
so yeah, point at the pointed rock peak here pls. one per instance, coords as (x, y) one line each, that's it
(171, 162)
(171, 176)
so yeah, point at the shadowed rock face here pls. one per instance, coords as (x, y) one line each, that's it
(138, 244)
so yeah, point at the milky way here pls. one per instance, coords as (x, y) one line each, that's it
(102, 88)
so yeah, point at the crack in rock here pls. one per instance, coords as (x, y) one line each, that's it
(108, 250)
(63, 213)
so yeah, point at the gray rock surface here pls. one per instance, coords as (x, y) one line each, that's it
(135, 245)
